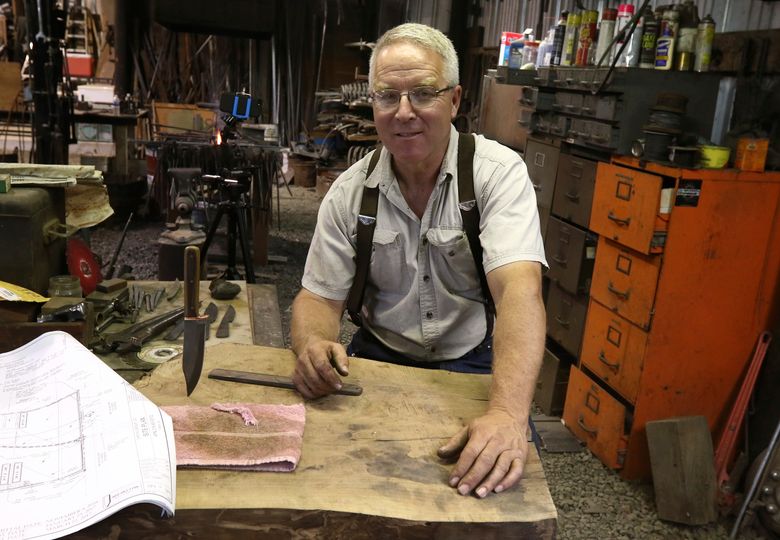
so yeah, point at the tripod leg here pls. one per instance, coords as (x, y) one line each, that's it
(210, 235)
(249, 268)
(232, 272)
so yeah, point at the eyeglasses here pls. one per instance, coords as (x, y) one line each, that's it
(420, 97)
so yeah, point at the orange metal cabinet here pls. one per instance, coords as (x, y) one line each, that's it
(596, 418)
(705, 299)
(626, 204)
(625, 281)
(613, 349)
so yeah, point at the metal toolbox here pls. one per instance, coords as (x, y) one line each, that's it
(31, 254)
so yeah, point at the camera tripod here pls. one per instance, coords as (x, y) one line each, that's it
(235, 209)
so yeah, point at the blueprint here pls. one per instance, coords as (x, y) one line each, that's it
(77, 442)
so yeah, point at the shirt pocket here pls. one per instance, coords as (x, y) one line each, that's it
(452, 261)
(388, 262)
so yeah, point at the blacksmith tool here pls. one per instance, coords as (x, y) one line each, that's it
(211, 312)
(277, 381)
(194, 325)
(223, 330)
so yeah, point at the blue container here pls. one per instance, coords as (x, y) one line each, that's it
(516, 54)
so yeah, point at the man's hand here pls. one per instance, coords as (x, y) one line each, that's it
(493, 449)
(316, 366)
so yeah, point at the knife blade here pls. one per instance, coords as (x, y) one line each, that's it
(223, 330)
(211, 313)
(194, 325)
(278, 381)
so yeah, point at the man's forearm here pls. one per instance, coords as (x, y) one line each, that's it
(314, 317)
(518, 348)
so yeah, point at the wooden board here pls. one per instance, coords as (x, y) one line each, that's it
(683, 470)
(368, 467)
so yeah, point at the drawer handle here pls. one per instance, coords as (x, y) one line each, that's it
(610, 365)
(573, 197)
(586, 429)
(616, 292)
(560, 260)
(620, 221)
(562, 322)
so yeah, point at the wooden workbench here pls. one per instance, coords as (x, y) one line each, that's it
(368, 467)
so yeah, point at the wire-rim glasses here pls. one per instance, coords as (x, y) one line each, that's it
(420, 97)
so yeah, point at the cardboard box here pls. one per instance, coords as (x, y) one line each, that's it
(503, 51)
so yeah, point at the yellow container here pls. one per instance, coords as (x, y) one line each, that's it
(713, 157)
(751, 154)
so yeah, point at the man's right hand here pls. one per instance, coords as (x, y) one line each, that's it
(317, 368)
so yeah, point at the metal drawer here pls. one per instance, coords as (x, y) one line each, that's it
(544, 219)
(614, 350)
(625, 205)
(571, 252)
(551, 384)
(559, 124)
(602, 107)
(625, 281)
(566, 314)
(601, 134)
(528, 95)
(596, 418)
(574, 185)
(542, 162)
(567, 102)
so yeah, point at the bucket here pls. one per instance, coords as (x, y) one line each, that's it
(305, 172)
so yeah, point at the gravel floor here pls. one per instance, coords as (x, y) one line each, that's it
(592, 501)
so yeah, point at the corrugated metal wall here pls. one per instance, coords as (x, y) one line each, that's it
(516, 15)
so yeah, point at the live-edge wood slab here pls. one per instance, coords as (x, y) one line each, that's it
(368, 467)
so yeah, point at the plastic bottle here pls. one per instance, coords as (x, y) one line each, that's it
(649, 37)
(606, 33)
(704, 36)
(516, 54)
(560, 33)
(570, 39)
(625, 12)
(664, 49)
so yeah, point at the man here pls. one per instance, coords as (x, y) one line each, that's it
(423, 302)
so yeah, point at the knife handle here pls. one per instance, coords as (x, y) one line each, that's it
(191, 281)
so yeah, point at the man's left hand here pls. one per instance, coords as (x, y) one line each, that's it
(493, 449)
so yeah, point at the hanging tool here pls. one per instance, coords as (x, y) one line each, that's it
(194, 325)
(223, 330)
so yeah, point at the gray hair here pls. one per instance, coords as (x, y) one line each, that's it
(425, 37)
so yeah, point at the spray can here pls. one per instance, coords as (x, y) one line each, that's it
(606, 33)
(704, 36)
(664, 49)
(649, 36)
(625, 12)
(634, 46)
(560, 32)
(586, 35)
(570, 39)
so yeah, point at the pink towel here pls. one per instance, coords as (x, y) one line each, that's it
(256, 438)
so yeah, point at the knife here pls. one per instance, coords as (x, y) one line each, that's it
(223, 330)
(194, 325)
(211, 313)
(278, 381)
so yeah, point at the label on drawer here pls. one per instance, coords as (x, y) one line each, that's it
(666, 201)
(688, 193)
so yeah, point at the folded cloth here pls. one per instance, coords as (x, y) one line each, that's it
(262, 438)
